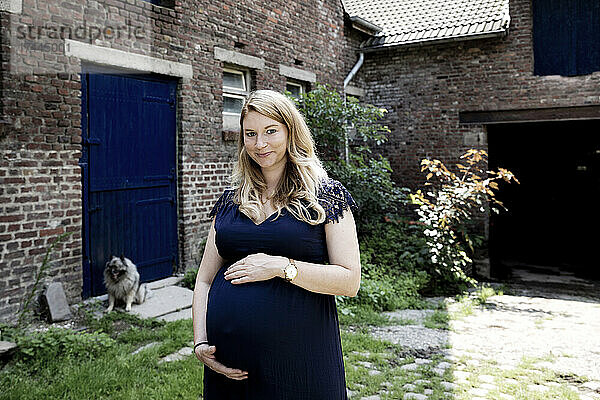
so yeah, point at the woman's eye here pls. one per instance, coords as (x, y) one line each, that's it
(271, 131)
(250, 134)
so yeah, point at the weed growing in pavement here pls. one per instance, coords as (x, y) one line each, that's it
(437, 320)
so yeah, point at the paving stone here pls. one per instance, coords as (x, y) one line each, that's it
(505, 367)
(461, 374)
(409, 387)
(444, 365)
(592, 385)
(178, 355)
(414, 396)
(186, 313)
(488, 386)
(56, 300)
(511, 381)
(486, 378)
(147, 346)
(439, 371)
(427, 391)
(365, 354)
(350, 393)
(409, 367)
(448, 385)
(161, 283)
(374, 372)
(365, 364)
(421, 382)
(373, 397)
(164, 301)
(478, 392)
(538, 388)
(421, 361)
(505, 396)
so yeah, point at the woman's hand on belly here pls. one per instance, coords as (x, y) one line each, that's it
(206, 354)
(256, 267)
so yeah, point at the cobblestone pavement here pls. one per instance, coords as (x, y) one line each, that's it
(523, 345)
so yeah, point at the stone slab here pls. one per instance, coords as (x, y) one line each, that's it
(161, 283)
(58, 307)
(164, 301)
(6, 347)
(176, 316)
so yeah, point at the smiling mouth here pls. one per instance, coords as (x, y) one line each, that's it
(263, 154)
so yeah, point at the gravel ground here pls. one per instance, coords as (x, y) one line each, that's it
(550, 328)
(510, 327)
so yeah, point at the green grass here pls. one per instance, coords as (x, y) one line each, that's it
(115, 374)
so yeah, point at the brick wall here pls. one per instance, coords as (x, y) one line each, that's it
(424, 89)
(40, 143)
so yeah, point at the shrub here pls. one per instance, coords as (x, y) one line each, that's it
(344, 131)
(449, 207)
(370, 182)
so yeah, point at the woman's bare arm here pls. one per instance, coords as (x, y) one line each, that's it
(340, 277)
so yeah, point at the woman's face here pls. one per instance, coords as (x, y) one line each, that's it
(265, 141)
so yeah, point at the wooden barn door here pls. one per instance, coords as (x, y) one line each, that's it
(129, 174)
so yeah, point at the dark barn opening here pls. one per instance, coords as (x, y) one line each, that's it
(553, 216)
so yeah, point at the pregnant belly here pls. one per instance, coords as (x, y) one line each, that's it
(275, 317)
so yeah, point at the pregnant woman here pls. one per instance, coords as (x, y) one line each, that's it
(282, 243)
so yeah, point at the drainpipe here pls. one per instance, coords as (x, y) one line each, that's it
(359, 63)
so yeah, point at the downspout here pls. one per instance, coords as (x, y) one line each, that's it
(359, 63)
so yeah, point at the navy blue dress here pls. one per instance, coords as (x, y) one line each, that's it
(286, 337)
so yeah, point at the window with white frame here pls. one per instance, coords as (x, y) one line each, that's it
(295, 88)
(236, 87)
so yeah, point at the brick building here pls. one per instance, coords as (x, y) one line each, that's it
(518, 79)
(117, 124)
(117, 116)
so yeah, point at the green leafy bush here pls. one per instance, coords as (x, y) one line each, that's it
(448, 208)
(383, 290)
(57, 343)
(369, 179)
(344, 131)
(396, 245)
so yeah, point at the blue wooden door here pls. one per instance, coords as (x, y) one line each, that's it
(129, 175)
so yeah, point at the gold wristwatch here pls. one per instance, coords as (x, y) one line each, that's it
(290, 271)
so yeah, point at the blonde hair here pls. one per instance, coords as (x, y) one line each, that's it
(303, 175)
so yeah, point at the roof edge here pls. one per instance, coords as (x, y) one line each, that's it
(473, 36)
(365, 26)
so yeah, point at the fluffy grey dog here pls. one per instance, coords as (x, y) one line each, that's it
(122, 282)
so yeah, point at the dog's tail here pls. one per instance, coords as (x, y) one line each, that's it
(142, 294)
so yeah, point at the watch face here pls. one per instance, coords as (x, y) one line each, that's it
(291, 272)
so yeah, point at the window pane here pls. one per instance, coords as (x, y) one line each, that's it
(233, 104)
(295, 90)
(233, 80)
